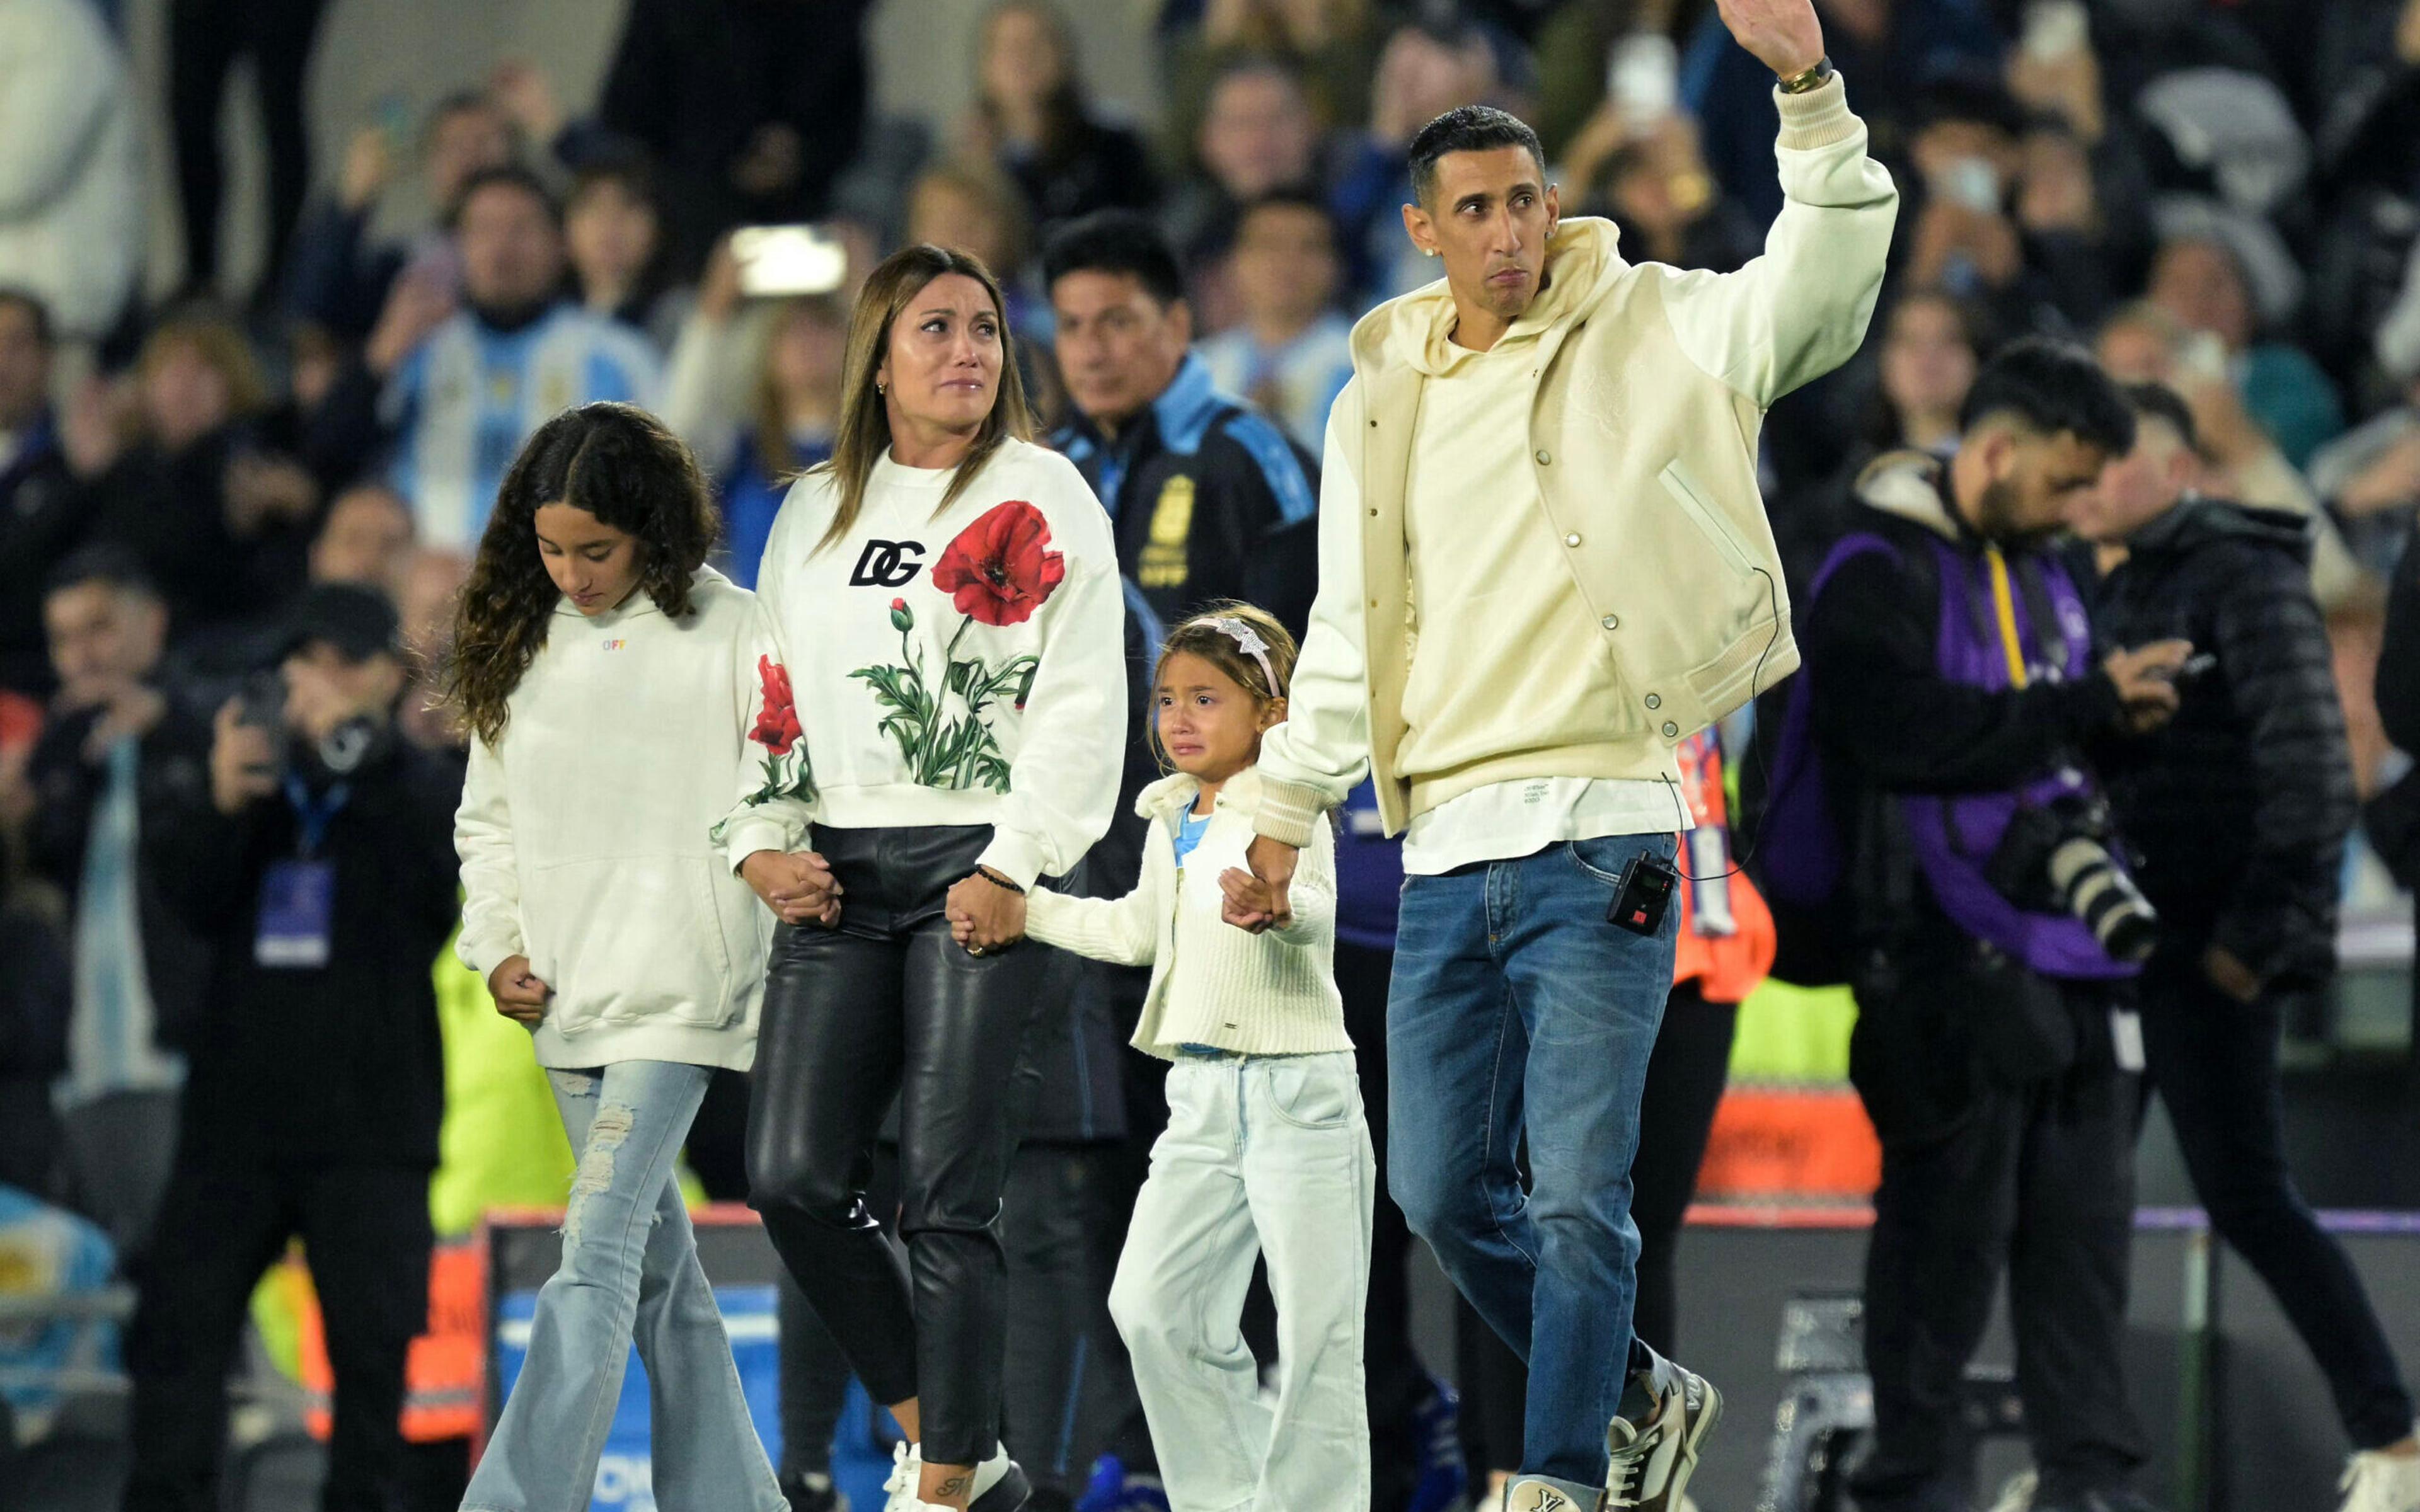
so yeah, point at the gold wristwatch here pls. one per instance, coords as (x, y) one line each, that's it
(1812, 77)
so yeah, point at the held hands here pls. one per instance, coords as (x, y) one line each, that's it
(1256, 899)
(984, 916)
(2145, 678)
(520, 995)
(797, 887)
(1783, 35)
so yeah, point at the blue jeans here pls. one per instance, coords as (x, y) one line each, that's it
(1517, 1010)
(629, 1273)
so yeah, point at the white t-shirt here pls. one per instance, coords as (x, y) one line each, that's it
(1506, 821)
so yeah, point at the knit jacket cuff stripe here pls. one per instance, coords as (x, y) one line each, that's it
(1818, 118)
(1288, 812)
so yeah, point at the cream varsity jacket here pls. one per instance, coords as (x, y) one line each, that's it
(1650, 391)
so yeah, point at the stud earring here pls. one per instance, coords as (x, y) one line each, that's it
(878, 385)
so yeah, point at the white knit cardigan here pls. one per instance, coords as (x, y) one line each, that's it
(1211, 983)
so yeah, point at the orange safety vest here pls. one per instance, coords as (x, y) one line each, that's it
(445, 1373)
(1726, 938)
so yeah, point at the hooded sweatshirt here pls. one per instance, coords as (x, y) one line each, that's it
(1508, 626)
(585, 831)
(1636, 422)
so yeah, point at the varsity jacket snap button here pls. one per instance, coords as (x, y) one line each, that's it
(1543, 458)
(1655, 701)
(1570, 540)
(1611, 621)
(1671, 731)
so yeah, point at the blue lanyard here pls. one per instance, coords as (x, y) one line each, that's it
(315, 816)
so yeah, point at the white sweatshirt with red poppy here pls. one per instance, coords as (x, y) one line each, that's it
(583, 831)
(951, 667)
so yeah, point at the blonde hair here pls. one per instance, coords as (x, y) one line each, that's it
(1206, 635)
(218, 342)
(772, 416)
(866, 422)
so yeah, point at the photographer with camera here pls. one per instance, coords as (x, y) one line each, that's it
(321, 865)
(1952, 686)
(2240, 808)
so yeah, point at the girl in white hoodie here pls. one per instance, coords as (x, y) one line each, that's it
(614, 686)
(1267, 1150)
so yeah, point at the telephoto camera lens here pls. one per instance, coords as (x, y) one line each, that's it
(2096, 891)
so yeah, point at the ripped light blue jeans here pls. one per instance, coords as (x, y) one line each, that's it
(630, 1275)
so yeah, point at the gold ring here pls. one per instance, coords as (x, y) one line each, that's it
(974, 949)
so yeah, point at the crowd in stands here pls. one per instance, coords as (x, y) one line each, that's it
(2221, 196)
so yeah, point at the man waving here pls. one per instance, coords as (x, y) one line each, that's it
(1543, 563)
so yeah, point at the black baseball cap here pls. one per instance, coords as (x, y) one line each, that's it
(358, 620)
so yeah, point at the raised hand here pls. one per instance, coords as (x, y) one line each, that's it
(419, 303)
(369, 167)
(244, 762)
(1783, 35)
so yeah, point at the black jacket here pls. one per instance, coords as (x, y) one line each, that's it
(42, 519)
(174, 772)
(1209, 499)
(36, 996)
(340, 1064)
(2399, 657)
(1887, 722)
(2240, 806)
(693, 81)
(170, 510)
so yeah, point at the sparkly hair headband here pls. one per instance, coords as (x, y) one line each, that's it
(1248, 641)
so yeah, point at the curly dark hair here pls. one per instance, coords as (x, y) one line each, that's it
(616, 462)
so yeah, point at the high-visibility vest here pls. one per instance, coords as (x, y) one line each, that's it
(1726, 938)
(446, 1370)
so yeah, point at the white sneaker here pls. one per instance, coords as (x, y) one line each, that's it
(2018, 1494)
(1000, 1485)
(2379, 1482)
(899, 1491)
(1537, 1496)
(1649, 1465)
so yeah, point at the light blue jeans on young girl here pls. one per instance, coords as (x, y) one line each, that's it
(1265, 1155)
(629, 1273)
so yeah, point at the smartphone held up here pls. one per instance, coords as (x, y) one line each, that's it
(781, 261)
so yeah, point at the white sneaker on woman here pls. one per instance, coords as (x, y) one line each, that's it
(2375, 1481)
(899, 1491)
(999, 1485)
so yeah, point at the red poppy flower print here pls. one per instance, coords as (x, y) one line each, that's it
(777, 723)
(1001, 568)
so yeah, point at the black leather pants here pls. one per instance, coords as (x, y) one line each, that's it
(888, 1005)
